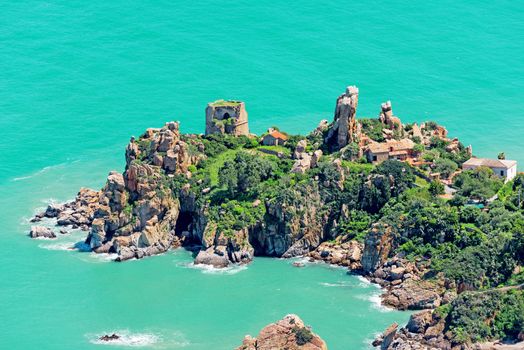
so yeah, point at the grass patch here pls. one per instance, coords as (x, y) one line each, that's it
(421, 182)
(358, 168)
(215, 165)
(285, 151)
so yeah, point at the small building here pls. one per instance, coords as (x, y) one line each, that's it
(402, 150)
(274, 138)
(505, 169)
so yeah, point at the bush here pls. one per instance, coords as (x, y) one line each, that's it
(302, 335)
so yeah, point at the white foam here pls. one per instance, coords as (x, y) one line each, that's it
(163, 340)
(66, 246)
(338, 284)
(126, 339)
(39, 172)
(208, 269)
(376, 303)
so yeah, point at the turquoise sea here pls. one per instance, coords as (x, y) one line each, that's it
(78, 78)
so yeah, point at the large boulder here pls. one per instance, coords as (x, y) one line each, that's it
(209, 257)
(41, 232)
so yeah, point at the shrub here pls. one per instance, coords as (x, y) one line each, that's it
(302, 335)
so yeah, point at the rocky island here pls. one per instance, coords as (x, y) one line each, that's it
(391, 201)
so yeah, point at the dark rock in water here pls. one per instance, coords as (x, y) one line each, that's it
(111, 337)
(41, 232)
(63, 231)
(53, 210)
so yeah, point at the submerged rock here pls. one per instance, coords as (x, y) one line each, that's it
(41, 232)
(289, 333)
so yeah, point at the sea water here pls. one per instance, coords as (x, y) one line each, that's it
(78, 78)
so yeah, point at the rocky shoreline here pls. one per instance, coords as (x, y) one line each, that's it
(342, 195)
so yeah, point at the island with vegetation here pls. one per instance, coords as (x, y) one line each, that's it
(391, 201)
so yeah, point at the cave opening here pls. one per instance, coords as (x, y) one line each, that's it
(183, 223)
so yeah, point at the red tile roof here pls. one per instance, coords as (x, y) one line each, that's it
(278, 135)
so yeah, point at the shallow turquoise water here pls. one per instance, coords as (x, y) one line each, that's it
(78, 78)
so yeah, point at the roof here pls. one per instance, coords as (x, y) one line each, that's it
(391, 146)
(278, 135)
(490, 163)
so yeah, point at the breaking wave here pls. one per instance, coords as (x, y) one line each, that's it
(126, 339)
(208, 269)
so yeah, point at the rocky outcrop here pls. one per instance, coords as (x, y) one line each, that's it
(41, 232)
(387, 118)
(344, 128)
(293, 224)
(227, 117)
(377, 246)
(346, 254)
(290, 333)
(220, 250)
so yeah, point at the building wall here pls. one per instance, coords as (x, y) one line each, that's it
(269, 140)
(506, 174)
(377, 158)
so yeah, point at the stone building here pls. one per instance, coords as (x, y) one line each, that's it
(226, 117)
(505, 169)
(274, 138)
(377, 152)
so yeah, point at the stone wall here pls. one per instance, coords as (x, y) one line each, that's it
(227, 117)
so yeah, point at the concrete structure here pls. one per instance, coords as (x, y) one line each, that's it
(377, 152)
(505, 169)
(226, 117)
(274, 138)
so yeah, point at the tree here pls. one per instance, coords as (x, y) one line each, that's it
(402, 174)
(480, 183)
(436, 188)
(245, 173)
(445, 167)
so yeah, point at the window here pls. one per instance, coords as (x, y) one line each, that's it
(374, 158)
(502, 173)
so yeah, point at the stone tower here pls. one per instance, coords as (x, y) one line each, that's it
(345, 128)
(226, 117)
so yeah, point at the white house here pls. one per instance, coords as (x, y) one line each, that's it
(505, 169)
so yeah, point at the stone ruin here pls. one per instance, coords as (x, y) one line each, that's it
(227, 117)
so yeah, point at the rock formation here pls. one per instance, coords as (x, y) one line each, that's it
(344, 128)
(226, 117)
(377, 247)
(41, 232)
(290, 333)
(387, 118)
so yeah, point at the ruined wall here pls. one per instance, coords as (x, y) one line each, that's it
(227, 117)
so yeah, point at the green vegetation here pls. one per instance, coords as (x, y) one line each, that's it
(302, 335)
(224, 103)
(472, 241)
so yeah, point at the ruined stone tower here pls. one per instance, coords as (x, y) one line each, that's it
(344, 129)
(226, 117)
